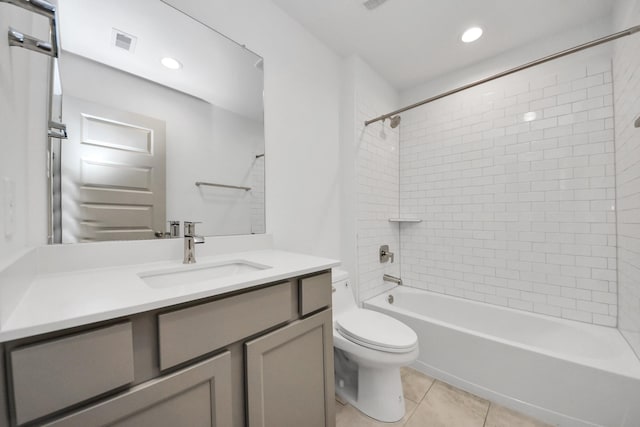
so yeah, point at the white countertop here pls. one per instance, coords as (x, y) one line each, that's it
(55, 301)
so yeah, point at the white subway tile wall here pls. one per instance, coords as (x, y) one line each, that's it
(377, 169)
(514, 181)
(626, 66)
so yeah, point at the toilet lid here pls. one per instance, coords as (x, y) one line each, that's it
(376, 330)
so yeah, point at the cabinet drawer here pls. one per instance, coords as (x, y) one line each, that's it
(194, 331)
(315, 293)
(56, 374)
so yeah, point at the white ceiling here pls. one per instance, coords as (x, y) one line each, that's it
(413, 41)
(215, 68)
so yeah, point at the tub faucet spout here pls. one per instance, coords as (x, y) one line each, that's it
(392, 279)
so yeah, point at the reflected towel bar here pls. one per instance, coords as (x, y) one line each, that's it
(211, 184)
(20, 39)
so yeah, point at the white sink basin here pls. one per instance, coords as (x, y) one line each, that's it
(196, 273)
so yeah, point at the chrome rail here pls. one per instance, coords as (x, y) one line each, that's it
(212, 184)
(20, 39)
(606, 39)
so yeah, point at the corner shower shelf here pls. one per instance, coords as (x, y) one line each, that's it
(407, 219)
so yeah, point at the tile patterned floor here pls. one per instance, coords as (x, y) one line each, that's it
(432, 403)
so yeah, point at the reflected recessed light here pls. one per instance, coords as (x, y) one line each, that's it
(471, 35)
(530, 116)
(171, 63)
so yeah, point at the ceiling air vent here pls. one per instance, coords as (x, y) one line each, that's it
(372, 4)
(122, 40)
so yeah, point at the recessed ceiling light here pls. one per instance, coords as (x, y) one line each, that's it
(471, 35)
(171, 63)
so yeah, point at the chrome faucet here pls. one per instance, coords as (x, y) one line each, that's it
(190, 242)
(392, 279)
(174, 231)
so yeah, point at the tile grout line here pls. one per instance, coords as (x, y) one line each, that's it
(428, 390)
(420, 402)
(487, 414)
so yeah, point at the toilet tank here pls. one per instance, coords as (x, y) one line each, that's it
(342, 296)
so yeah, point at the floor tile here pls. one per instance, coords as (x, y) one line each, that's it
(499, 416)
(415, 384)
(348, 416)
(447, 406)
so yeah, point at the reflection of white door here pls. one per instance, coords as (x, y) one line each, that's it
(113, 174)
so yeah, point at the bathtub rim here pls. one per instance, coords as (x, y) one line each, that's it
(633, 361)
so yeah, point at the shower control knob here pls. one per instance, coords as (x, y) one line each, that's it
(385, 255)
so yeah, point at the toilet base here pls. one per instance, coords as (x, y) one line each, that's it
(378, 393)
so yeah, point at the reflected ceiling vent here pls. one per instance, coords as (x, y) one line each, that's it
(372, 4)
(123, 40)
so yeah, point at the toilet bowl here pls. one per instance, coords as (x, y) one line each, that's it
(370, 348)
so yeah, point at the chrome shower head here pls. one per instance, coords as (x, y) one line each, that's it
(394, 121)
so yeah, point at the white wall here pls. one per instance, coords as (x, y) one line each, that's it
(516, 213)
(203, 143)
(371, 173)
(23, 119)
(626, 82)
(348, 175)
(302, 105)
(515, 57)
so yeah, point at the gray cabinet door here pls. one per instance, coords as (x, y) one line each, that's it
(290, 375)
(199, 395)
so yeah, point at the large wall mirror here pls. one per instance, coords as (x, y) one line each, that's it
(165, 122)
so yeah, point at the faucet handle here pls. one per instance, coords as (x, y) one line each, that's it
(174, 228)
(190, 227)
(384, 254)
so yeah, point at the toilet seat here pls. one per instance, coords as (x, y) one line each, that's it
(376, 331)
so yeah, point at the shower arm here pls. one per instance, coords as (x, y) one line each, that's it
(593, 43)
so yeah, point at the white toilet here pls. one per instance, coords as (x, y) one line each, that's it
(370, 347)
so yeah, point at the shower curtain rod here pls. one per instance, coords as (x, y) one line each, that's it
(611, 37)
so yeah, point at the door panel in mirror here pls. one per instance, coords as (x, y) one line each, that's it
(114, 169)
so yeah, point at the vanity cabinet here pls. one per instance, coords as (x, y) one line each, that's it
(251, 358)
(197, 396)
(58, 373)
(200, 329)
(287, 381)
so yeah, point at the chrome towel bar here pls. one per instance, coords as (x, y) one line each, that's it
(606, 39)
(20, 39)
(211, 184)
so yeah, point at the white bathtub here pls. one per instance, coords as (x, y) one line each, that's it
(560, 371)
